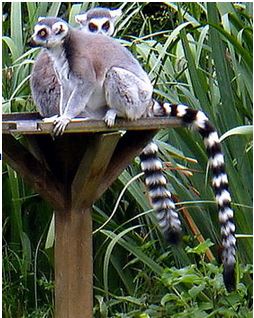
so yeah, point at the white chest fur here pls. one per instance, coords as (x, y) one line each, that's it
(61, 64)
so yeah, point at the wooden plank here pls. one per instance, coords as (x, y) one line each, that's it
(92, 167)
(79, 125)
(21, 160)
(73, 264)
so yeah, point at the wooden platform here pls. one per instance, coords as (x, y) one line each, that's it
(71, 173)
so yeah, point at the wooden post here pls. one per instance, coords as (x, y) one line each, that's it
(73, 264)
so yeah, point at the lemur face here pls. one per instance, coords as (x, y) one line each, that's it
(49, 32)
(98, 20)
(100, 26)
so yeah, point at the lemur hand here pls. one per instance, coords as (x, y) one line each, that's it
(60, 124)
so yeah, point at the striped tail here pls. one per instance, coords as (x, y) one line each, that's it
(198, 120)
(159, 196)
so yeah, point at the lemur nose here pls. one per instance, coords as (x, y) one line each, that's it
(31, 42)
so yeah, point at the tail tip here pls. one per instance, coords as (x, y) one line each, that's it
(229, 277)
(173, 237)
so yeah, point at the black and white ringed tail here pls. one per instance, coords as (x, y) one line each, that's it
(159, 196)
(200, 122)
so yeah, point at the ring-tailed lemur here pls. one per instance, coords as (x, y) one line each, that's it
(44, 83)
(101, 72)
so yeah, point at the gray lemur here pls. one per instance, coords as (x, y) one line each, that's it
(44, 83)
(99, 72)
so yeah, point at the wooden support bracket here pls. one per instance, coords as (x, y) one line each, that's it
(92, 168)
(42, 180)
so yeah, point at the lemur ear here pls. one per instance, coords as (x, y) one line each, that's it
(81, 18)
(40, 18)
(60, 27)
(115, 13)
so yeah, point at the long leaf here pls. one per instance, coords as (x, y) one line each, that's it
(17, 26)
(242, 130)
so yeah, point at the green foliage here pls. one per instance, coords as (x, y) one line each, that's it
(199, 54)
(195, 290)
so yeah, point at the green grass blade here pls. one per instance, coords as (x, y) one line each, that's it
(54, 9)
(17, 27)
(15, 54)
(242, 130)
(129, 246)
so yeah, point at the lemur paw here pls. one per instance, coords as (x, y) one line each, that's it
(60, 125)
(110, 118)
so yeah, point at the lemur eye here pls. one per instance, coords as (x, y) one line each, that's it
(43, 33)
(59, 29)
(93, 27)
(106, 26)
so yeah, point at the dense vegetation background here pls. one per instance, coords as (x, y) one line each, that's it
(195, 53)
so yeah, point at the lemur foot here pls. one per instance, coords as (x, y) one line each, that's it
(110, 118)
(60, 124)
